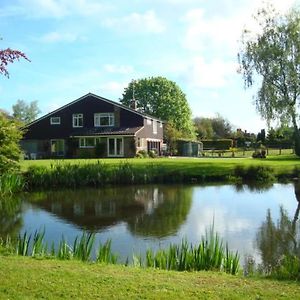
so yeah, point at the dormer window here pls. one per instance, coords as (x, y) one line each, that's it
(55, 120)
(77, 120)
(104, 119)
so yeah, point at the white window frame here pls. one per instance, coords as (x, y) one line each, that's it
(98, 116)
(75, 120)
(154, 126)
(53, 122)
(115, 146)
(84, 144)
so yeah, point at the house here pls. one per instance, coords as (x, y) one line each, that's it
(92, 126)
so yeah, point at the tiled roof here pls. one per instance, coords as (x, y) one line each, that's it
(106, 131)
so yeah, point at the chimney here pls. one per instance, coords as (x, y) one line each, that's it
(133, 104)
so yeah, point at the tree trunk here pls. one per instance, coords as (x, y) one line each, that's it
(296, 135)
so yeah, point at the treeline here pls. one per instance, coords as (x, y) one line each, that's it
(210, 130)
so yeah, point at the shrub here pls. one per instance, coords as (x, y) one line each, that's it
(142, 154)
(152, 153)
(259, 154)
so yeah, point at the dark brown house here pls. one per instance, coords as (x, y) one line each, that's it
(92, 126)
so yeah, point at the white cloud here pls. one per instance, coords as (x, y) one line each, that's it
(209, 74)
(54, 8)
(118, 69)
(53, 37)
(113, 87)
(147, 22)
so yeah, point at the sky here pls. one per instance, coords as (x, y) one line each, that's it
(81, 46)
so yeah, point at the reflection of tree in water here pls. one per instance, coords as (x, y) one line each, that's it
(168, 215)
(10, 216)
(259, 187)
(150, 210)
(282, 238)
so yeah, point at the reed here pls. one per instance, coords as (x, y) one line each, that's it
(209, 254)
(82, 247)
(11, 183)
(105, 254)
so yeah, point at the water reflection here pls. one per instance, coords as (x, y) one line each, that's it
(275, 240)
(155, 210)
(10, 216)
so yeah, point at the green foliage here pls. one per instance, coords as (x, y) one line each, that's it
(213, 128)
(161, 98)
(11, 183)
(142, 154)
(273, 57)
(82, 247)
(24, 112)
(10, 152)
(221, 144)
(258, 173)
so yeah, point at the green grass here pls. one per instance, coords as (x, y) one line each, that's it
(282, 164)
(28, 278)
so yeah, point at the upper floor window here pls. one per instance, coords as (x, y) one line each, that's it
(55, 120)
(77, 120)
(104, 119)
(154, 125)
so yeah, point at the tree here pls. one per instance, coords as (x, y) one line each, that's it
(24, 112)
(163, 99)
(10, 152)
(217, 127)
(273, 57)
(9, 56)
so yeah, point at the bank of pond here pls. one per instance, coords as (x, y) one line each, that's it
(256, 227)
(99, 174)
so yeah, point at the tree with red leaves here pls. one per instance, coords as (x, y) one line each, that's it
(9, 56)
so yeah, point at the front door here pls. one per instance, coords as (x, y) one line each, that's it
(58, 147)
(115, 147)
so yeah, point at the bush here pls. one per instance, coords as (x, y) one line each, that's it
(152, 153)
(259, 154)
(142, 154)
(220, 144)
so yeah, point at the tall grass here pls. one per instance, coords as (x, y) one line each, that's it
(11, 183)
(209, 254)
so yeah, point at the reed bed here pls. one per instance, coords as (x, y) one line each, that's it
(209, 254)
(98, 174)
(11, 183)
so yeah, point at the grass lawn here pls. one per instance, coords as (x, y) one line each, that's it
(282, 164)
(28, 278)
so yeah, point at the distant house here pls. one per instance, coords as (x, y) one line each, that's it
(92, 126)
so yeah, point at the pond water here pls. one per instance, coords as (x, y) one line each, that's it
(139, 217)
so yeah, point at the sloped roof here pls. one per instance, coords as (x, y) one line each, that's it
(97, 97)
(106, 131)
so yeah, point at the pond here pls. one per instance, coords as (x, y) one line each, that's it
(139, 217)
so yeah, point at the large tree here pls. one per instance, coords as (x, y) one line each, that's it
(163, 99)
(10, 152)
(25, 112)
(272, 58)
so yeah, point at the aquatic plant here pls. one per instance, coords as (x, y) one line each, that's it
(82, 247)
(105, 254)
(11, 183)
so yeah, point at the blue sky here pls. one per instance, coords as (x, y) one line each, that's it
(81, 46)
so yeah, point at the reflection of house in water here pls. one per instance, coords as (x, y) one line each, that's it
(150, 210)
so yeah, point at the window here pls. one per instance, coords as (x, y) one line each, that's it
(154, 125)
(58, 147)
(87, 142)
(55, 120)
(115, 147)
(77, 120)
(104, 119)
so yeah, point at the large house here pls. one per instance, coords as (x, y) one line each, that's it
(92, 126)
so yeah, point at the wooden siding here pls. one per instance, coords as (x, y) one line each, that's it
(42, 129)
